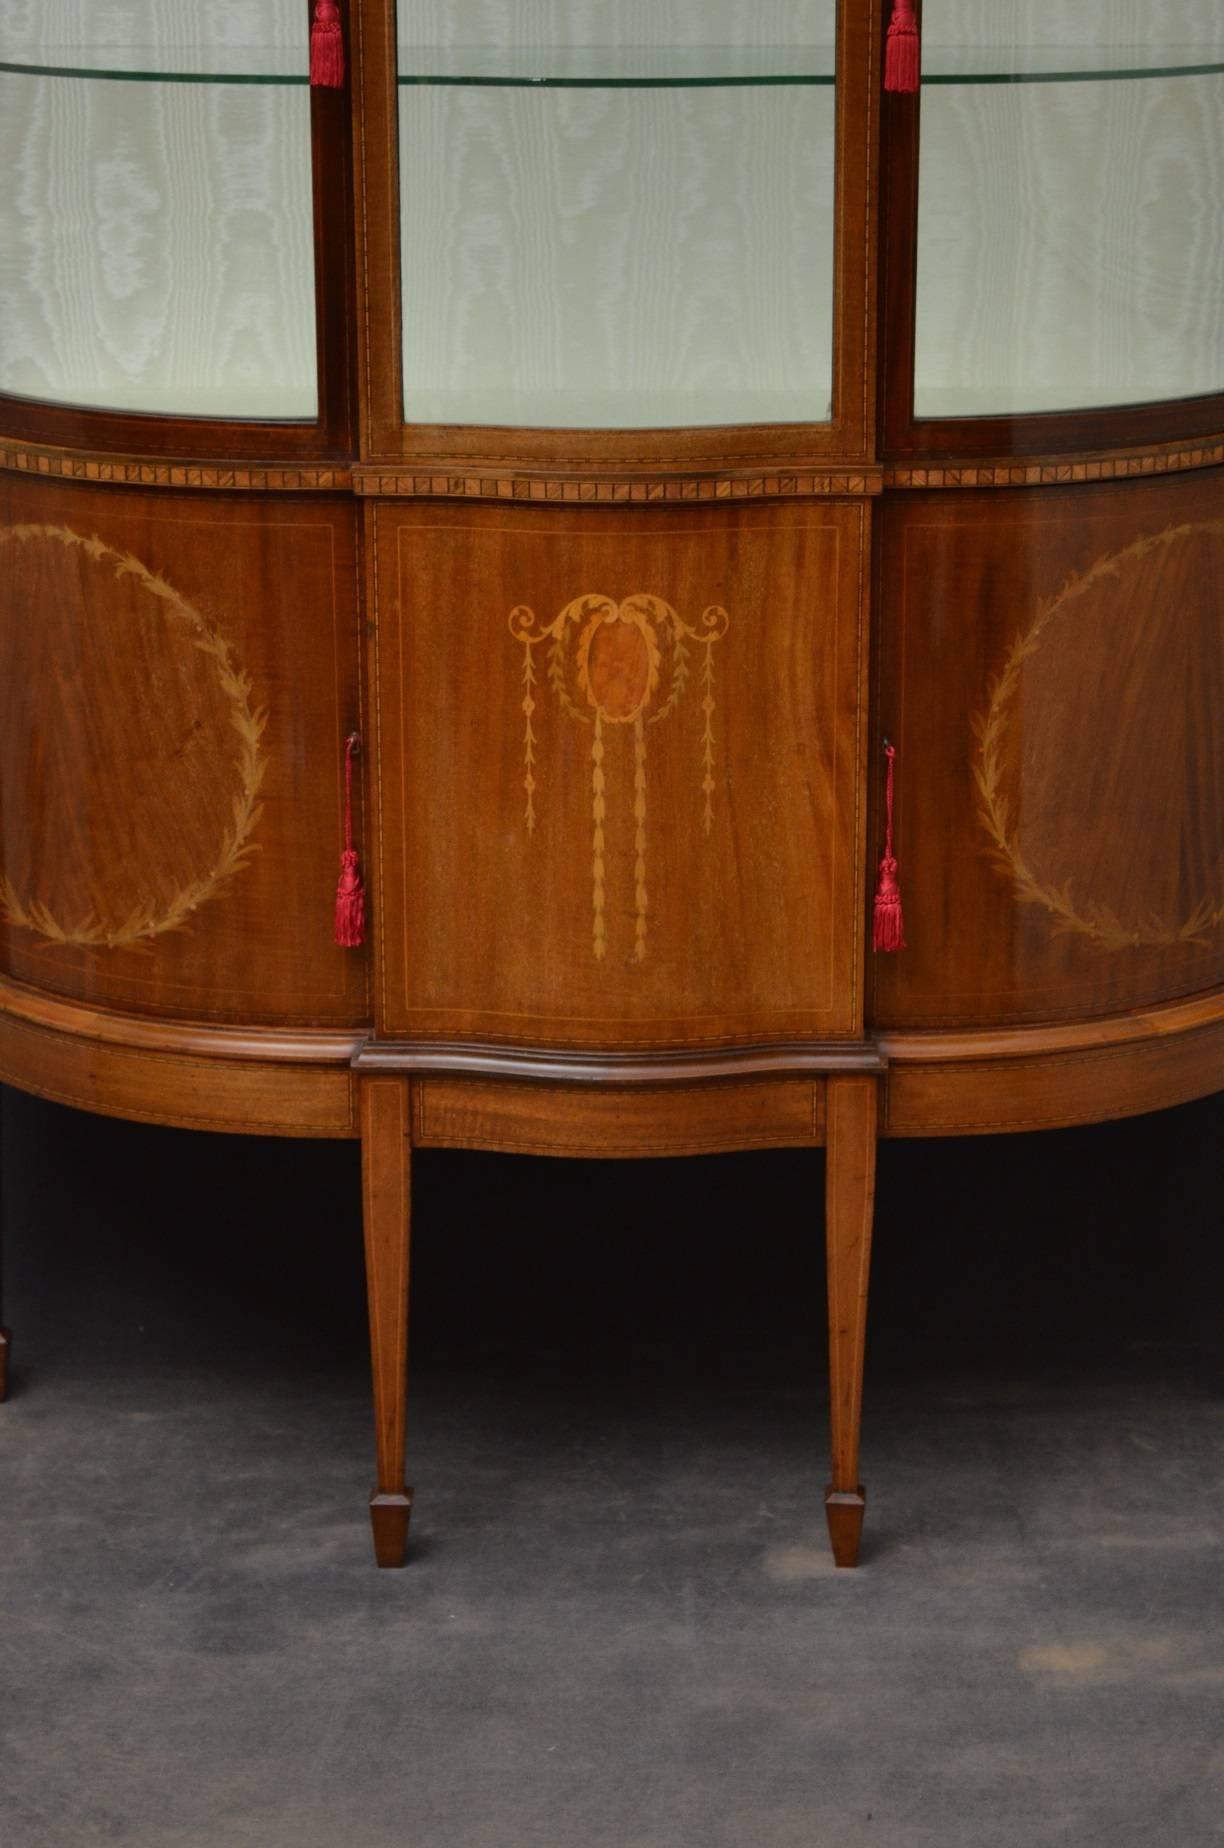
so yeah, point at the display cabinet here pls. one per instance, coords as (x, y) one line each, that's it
(714, 543)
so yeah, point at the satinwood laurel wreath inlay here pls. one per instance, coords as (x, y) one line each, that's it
(143, 916)
(1070, 912)
(618, 658)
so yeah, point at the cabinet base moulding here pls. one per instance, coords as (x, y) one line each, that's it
(988, 1082)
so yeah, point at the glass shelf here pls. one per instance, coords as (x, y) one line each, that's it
(616, 67)
(683, 67)
(959, 64)
(561, 67)
(143, 64)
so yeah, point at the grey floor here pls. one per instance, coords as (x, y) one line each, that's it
(619, 1627)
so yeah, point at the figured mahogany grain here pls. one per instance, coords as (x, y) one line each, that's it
(1053, 660)
(1026, 1080)
(192, 1091)
(138, 633)
(671, 1119)
(548, 882)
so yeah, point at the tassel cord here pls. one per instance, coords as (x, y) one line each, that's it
(350, 892)
(902, 51)
(326, 47)
(888, 925)
(351, 746)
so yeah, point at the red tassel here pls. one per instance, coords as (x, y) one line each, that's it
(327, 47)
(887, 924)
(902, 56)
(350, 893)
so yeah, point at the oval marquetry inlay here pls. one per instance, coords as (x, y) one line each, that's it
(130, 761)
(1099, 772)
(621, 667)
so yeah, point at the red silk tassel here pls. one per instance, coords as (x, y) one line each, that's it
(887, 924)
(350, 893)
(902, 56)
(327, 47)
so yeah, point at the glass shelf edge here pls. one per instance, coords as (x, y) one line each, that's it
(970, 79)
(625, 67)
(105, 74)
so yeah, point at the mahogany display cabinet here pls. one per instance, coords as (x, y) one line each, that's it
(708, 517)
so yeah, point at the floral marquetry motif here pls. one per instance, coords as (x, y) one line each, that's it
(1063, 786)
(645, 778)
(143, 750)
(1075, 639)
(625, 663)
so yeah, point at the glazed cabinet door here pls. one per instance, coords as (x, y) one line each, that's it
(175, 243)
(619, 773)
(615, 233)
(1053, 236)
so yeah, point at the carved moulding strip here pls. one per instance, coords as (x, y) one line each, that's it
(133, 472)
(554, 1067)
(1052, 472)
(613, 490)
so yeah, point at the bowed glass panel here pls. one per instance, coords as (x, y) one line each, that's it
(1071, 205)
(156, 217)
(617, 213)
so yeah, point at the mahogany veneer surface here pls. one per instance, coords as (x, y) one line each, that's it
(177, 674)
(1052, 670)
(689, 875)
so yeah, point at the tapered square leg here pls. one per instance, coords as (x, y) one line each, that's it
(849, 1207)
(844, 1513)
(389, 1518)
(386, 1165)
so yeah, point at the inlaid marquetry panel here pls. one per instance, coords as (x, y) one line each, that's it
(619, 773)
(176, 680)
(1053, 675)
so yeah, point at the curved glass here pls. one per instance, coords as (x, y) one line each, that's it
(156, 219)
(617, 217)
(1070, 235)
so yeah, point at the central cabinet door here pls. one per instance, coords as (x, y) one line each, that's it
(619, 772)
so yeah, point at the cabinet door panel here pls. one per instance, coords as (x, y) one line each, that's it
(619, 773)
(1053, 674)
(177, 673)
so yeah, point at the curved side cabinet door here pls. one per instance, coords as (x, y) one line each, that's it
(176, 677)
(1052, 669)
